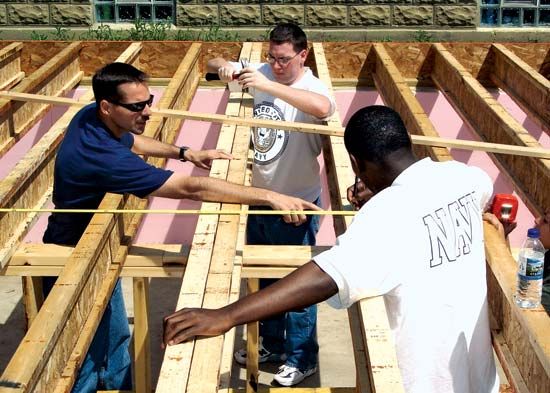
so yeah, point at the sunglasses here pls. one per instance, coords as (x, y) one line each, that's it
(135, 106)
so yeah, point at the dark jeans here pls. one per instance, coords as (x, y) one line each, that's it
(107, 365)
(300, 326)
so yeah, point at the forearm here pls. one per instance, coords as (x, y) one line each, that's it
(305, 286)
(154, 148)
(214, 64)
(306, 101)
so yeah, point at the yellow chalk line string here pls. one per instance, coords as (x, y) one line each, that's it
(176, 211)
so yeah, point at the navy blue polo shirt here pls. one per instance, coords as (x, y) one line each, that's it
(91, 162)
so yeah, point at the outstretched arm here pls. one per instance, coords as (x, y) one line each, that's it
(201, 188)
(154, 148)
(305, 286)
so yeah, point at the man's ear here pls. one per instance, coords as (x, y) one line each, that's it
(105, 107)
(354, 164)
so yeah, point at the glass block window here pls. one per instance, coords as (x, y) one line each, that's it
(514, 13)
(131, 10)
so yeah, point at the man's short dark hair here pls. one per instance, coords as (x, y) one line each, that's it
(106, 80)
(289, 32)
(375, 131)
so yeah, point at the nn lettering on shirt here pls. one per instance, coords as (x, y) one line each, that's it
(450, 229)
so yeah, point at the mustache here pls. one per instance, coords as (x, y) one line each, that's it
(145, 118)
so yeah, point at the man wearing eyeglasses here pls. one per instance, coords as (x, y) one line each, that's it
(284, 89)
(99, 154)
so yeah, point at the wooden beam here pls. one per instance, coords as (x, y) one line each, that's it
(10, 65)
(55, 78)
(375, 359)
(178, 359)
(508, 364)
(529, 89)
(397, 94)
(142, 346)
(528, 151)
(525, 332)
(29, 183)
(491, 122)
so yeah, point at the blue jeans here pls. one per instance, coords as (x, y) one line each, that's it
(300, 326)
(107, 365)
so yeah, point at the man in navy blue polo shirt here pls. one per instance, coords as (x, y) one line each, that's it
(99, 154)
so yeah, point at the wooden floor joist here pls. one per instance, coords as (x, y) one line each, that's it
(55, 78)
(10, 65)
(493, 123)
(525, 85)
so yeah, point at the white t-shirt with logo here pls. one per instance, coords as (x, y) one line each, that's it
(286, 161)
(419, 243)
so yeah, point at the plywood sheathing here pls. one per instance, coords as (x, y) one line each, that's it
(55, 78)
(523, 83)
(10, 65)
(28, 185)
(492, 123)
(525, 331)
(178, 361)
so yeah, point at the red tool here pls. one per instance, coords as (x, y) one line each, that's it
(505, 207)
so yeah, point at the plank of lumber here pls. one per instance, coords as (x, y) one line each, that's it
(29, 183)
(525, 331)
(55, 78)
(34, 364)
(491, 122)
(508, 363)
(159, 255)
(375, 358)
(528, 151)
(397, 94)
(524, 84)
(142, 346)
(176, 365)
(107, 285)
(10, 65)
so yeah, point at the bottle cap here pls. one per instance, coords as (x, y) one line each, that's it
(533, 232)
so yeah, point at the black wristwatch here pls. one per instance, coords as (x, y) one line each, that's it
(183, 149)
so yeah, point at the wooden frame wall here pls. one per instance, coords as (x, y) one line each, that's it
(91, 269)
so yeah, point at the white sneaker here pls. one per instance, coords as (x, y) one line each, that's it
(263, 355)
(289, 375)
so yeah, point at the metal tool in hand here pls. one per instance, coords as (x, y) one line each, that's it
(244, 64)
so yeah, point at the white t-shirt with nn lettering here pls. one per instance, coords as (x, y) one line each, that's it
(286, 161)
(419, 243)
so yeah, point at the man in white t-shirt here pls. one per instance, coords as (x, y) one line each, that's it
(284, 89)
(418, 242)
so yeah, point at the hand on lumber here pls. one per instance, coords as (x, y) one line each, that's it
(305, 286)
(187, 323)
(358, 194)
(203, 158)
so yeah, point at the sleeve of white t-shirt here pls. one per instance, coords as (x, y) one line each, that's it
(483, 186)
(317, 86)
(366, 261)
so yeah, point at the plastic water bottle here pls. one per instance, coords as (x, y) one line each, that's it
(530, 268)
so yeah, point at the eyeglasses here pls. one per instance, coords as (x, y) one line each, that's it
(135, 106)
(281, 60)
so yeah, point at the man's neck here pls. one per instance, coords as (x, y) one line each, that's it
(111, 126)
